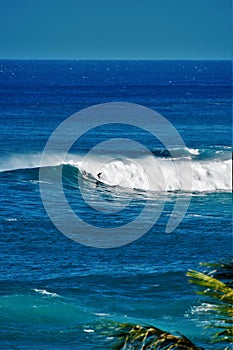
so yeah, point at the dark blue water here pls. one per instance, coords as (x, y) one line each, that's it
(55, 292)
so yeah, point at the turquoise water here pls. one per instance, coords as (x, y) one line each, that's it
(55, 292)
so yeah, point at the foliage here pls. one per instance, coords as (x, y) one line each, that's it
(216, 286)
(136, 337)
(219, 296)
(222, 271)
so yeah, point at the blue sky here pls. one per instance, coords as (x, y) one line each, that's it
(116, 29)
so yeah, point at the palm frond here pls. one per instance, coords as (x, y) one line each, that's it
(212, 286)
(136, 337)
(221, 296)
(222, 271)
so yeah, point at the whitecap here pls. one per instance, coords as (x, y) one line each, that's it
(45, 292)
(89, 330)
(194, 151)
(101, 314)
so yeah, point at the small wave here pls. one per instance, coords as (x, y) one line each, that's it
(203, 308)
(36, 182)
(45, 292)
(195, 215)
(88, 330)
(38, 306)
(176, 152)
(10, 219)
(202, 216)
(194, 151)
(101, 314)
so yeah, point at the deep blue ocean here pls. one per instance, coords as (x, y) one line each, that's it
(55, 293)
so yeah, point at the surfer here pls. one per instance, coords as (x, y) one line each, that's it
(97, 182)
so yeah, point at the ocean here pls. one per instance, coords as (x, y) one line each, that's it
(57, 289)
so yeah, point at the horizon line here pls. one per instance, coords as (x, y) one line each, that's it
(116, 59)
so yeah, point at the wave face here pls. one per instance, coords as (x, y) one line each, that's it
(211, 169)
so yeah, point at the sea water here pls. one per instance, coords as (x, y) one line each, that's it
(55, 292)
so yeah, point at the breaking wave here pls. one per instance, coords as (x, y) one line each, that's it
(211, 169)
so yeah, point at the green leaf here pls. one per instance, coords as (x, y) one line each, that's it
(136, 337)
(222, 294)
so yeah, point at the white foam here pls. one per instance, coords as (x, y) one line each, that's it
(101, 314)
(25, 161)
(194, 151)
(147, 173)
(45, 292)
(156, 174)
(204, 307)
(31, 161)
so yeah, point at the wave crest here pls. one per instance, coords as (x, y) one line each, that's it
(211, 170)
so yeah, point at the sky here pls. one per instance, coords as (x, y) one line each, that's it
(116, 29)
